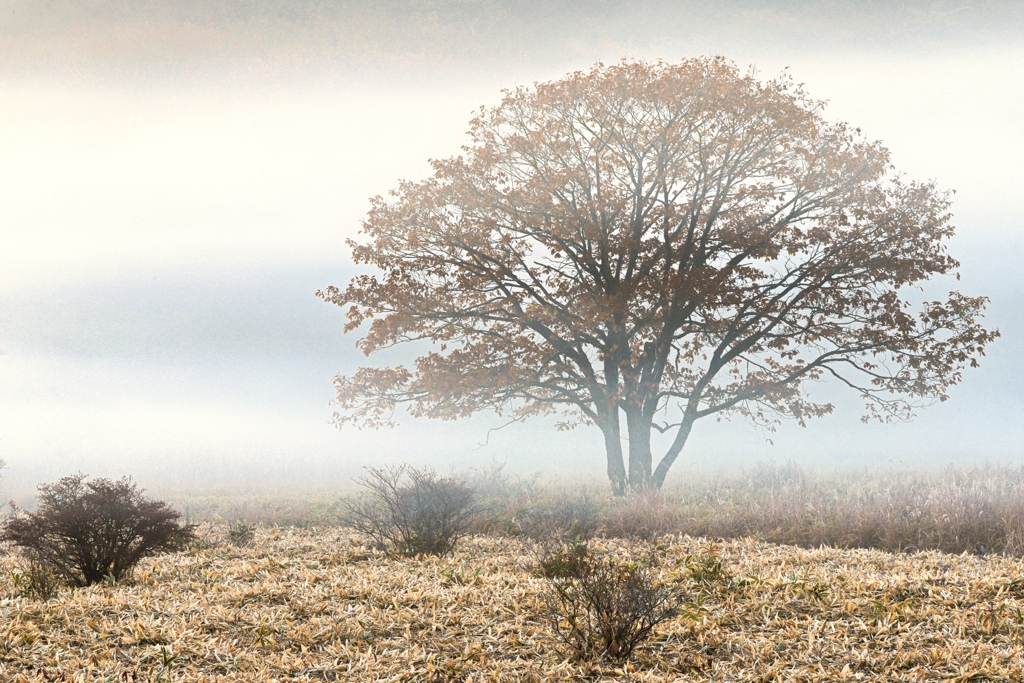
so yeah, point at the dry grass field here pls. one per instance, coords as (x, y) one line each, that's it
(899, 510)
(318, 604)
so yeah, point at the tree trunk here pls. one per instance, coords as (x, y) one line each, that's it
(613, 447)
(673, 451)
(640, 460)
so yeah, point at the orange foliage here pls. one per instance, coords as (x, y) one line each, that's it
(664, 242)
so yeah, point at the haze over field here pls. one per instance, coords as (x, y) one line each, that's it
(179, 180)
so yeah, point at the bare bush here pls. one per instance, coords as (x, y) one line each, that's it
(409, 511)
(85, 532)
(601, 608)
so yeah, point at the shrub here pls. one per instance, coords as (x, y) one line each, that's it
(34, 579)
(602, 608)
(87, 532)
(409, 511)
(241, 534)
(706, 569)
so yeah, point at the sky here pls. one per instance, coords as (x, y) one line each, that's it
(178, 179)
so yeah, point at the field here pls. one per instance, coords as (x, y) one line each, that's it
(317, 604)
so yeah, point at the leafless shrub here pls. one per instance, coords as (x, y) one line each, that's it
(88, 532)
(409, 511)
(601, 608)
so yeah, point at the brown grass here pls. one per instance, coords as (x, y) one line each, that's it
(307, 605)
(955, 510)
(298, 508)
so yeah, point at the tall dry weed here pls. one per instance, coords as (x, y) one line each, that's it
(954, 510)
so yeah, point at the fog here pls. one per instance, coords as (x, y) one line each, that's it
(179, 179)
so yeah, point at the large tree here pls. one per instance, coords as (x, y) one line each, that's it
(659, 242)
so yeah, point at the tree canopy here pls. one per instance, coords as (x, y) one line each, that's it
(661, 243)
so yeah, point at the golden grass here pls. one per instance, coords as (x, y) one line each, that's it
(307, 605)
(953, 510)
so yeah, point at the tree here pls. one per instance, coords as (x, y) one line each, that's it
(659, 242)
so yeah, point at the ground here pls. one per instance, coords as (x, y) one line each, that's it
(311, 605)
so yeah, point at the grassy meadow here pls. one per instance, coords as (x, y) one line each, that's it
(788, 576)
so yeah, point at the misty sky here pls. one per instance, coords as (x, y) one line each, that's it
(178, 179)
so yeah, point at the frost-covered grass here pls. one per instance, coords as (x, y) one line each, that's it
(318, 604)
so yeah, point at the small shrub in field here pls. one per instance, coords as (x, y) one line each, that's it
(88, 532)
(564, 561)
(706, 569)
(409, 511)
(241, 534)
(34, 579)
(601, 608)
